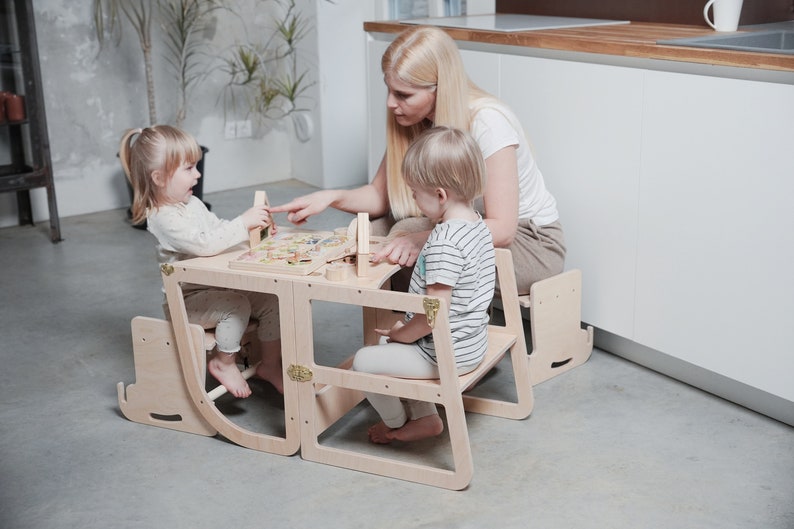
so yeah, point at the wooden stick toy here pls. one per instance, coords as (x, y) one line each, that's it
(362, 245)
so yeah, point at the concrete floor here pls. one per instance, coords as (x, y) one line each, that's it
(609, 444)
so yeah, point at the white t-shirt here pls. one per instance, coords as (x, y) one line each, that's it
(495, 127)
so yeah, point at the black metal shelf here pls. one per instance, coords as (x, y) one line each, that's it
(14, 123)
(28, 146)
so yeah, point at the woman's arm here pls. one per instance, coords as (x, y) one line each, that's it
(500, 196)
(371, 198)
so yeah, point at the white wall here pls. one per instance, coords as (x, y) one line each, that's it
(339, 110)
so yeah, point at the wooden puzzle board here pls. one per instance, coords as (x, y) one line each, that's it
(293, 252)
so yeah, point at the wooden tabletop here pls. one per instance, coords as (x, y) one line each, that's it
(637, 40)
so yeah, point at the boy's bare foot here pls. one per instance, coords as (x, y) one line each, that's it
(415, 430)
(223, 368)
(428, 426)
(378, 433)
(272, 375)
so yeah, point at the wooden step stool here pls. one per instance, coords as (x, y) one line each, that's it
(555, 314)
(159, 396)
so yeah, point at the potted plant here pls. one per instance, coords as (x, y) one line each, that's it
(263, 76)
(182, 22)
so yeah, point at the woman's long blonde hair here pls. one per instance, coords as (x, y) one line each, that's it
(424, 57)
(159, 148)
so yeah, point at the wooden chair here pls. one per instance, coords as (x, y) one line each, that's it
(555, 313)
(327, 393)
(159, 396)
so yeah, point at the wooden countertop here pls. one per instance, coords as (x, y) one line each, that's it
(637, 40)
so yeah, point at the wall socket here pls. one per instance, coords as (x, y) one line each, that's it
(238, 129)
(230, 130)
(244, 129)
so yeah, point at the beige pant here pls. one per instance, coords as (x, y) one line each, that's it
(228, 312)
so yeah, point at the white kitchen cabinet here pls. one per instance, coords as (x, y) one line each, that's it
(584, 122)
(376, 103)
(715, 285)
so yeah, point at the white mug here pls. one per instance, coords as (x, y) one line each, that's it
(726, 14)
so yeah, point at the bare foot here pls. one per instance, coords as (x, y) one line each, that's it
(415, 430)
(428, 426)
(378, 433)
(272, 375)
(225, 371)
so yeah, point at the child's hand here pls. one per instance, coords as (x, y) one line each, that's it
(257, 217)
(389, 332)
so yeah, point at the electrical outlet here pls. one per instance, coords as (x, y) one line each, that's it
(244, 129)
(230, 130)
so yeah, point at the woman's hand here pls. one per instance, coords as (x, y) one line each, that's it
(300, 209)
(402, 250)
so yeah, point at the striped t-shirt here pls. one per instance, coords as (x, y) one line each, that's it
(459, 254)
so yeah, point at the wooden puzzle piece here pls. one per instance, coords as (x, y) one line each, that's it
(291, 252)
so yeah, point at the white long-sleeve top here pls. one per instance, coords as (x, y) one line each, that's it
(184, 231)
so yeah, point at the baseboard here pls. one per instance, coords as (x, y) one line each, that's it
(727, 388)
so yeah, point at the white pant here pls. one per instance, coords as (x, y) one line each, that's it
(228, 312)
(397, 360)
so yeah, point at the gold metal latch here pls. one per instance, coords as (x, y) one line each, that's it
(167, 268)
(298, 373)
(431, 310)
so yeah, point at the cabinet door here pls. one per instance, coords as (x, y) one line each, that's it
(584, 122)
(376, 102)
(716, 246)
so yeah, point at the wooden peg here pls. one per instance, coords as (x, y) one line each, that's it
(362, 245)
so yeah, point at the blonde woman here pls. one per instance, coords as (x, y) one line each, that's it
(428, 86)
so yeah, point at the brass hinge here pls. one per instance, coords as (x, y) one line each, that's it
(298, 373)
(431, 310)
(167, 268)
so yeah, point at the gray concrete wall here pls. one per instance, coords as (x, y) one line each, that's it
(91, 98)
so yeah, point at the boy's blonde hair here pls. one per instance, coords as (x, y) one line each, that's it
(424, 57)
(447, 158)
(158, 148)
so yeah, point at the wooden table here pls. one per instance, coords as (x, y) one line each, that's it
(316, 396)
(215, 272)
